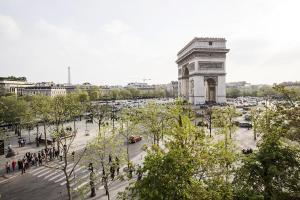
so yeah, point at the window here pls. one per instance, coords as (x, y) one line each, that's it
(210, 43)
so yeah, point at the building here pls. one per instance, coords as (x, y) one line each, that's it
(11, 86)
(141, 86)
(202, 71)
(46, 90)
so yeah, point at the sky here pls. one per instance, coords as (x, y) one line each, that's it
(115, 42)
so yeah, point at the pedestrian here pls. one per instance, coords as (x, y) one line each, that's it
(73, 155)
(61, 155)
(36, 160)
(19, 164)
(109, 158)
(112, 172)
(117, 165)
(23, 167)
(19, 142)
(13, 165)
(139, 173)
(53, 152)
(7, 167)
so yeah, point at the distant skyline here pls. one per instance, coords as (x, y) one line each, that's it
(116, 42)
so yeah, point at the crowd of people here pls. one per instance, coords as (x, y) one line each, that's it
(33, 159)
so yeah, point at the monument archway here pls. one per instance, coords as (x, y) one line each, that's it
(211, 90)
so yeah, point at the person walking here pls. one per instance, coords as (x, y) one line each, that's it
(7, 167)
(13, 165)
(117, 165)
(23, 167)
(61, 155)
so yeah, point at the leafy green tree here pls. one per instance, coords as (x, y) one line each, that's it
(74, 107)
(151, 118)
(13, 111)
(99, 113)
(65, 138)
(233, 92)
(41, 109)
(223, 120)
(186, 168)
(255, 118)
(98, 154)
(273, 171)
(94, 94)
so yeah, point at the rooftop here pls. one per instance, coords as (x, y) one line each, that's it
(201, 39)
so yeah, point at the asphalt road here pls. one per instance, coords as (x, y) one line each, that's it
(46, 184)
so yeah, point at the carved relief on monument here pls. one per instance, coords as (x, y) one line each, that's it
(210, 65)
(200, 54)
(179, 72)
(192, 87)
(191, 67)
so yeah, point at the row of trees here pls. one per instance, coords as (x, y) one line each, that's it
(256, 91)
(191, 165)
(182, 162)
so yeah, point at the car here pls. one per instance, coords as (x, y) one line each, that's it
(245, 125)
(134, 138)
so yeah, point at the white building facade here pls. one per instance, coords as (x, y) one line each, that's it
(202, 71)
(51, 91)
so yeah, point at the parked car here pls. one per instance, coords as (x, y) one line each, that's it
(134, 138)
(245, 125)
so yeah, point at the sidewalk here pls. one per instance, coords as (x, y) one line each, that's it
(79, 142)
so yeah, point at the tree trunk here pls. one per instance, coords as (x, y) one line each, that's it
(37, 135)
(29, 135)
(74, 125)
(66, 174)
(45, 135)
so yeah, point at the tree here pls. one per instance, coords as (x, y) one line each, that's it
(223, 120)
(255, 117)
(65, 138)
(94, 94)
(151, 119)
(104, 150)
(129, 118)
(99, 113)
(186, 168)
(273, 172)
(74, 107)
(233, 92)
(13, 112)
(41, 107)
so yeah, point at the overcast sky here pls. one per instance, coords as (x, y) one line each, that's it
(116, 42)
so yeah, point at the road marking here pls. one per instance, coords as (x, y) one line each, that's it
(37, 169)
(76, 170)
(62, 173)
(81, 185)
(45, 169)
(55, 172)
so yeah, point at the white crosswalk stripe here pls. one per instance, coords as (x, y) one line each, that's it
(79, 178)
(55, 172)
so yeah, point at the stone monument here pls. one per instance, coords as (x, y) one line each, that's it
(202, 71)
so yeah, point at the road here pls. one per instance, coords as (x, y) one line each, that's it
(49, 184)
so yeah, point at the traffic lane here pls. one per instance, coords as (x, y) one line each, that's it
(136, 148)
(26, 187)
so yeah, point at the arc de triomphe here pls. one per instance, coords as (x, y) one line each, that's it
(201, 71)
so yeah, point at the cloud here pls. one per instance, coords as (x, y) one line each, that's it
(116, 27)
(9, 28)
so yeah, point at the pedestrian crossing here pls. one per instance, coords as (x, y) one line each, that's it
(53, 173)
